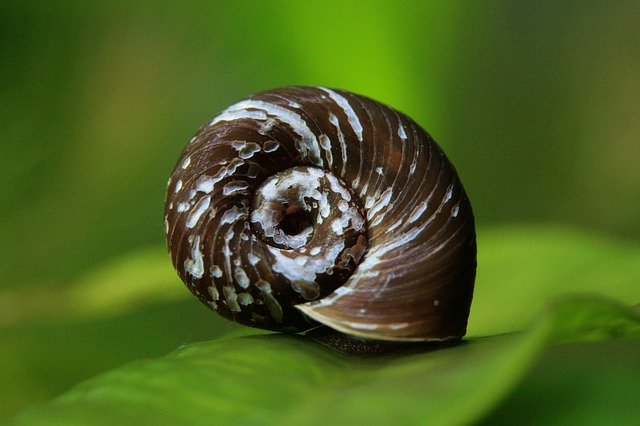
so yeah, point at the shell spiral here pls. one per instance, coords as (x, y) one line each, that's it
(305, 205)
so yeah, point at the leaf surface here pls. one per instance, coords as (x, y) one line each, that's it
(281, 379)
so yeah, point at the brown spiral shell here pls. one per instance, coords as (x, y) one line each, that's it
(303, 205)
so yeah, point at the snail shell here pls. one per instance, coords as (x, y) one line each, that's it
(303, 205)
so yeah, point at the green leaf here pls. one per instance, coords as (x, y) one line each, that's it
(522, 269)
(586, 384)
(131, 308)
(281, 379)
(139, 278)
(135, 307)
(40, 361)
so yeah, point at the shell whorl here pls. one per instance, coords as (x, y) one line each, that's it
(307, 204)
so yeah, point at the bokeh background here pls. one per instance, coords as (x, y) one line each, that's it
(536, 103)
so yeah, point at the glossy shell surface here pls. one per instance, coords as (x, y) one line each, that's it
(306, 204)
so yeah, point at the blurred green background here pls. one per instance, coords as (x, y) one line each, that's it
(536, 103)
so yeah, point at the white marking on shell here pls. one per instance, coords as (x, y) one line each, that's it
(308, 184)
(186, 162)
(235, 186)
(363, 326)
(308, 145)
(266, 126)
(231, 297)
(238, 114)
(233, 165)
(342, 291)
(238, 145)
(195, 265)
(343, 145)
(325, 143)
(178, 186)
(215, 271)
(357, 221)
(245, 299)
(377, 220)
(343, 103)
(364, 189)
(401, 132)
(379, 171)
(293, 271)
(213, 292)
(226, 252)
(454, 210)
(395, 225)
(338, 293)
(314, 251)
(166, 226)
(270, 146)
(241, 277)
(182, 207)
(413, 165)
(352, 216)
(205, 183)
(263, 286)
(436, 302)
(369, 202)
(274, 308)
(337, 226)
(398, 325)
(337, 187)
(323, 205)
(253, 259)
(448, 194)
(248, 150)
(201, 206)
(380, 204)
(375, 254)
(232, 215)
(417, 211)
(293, 241)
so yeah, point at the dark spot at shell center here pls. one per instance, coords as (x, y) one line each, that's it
(295, 221)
